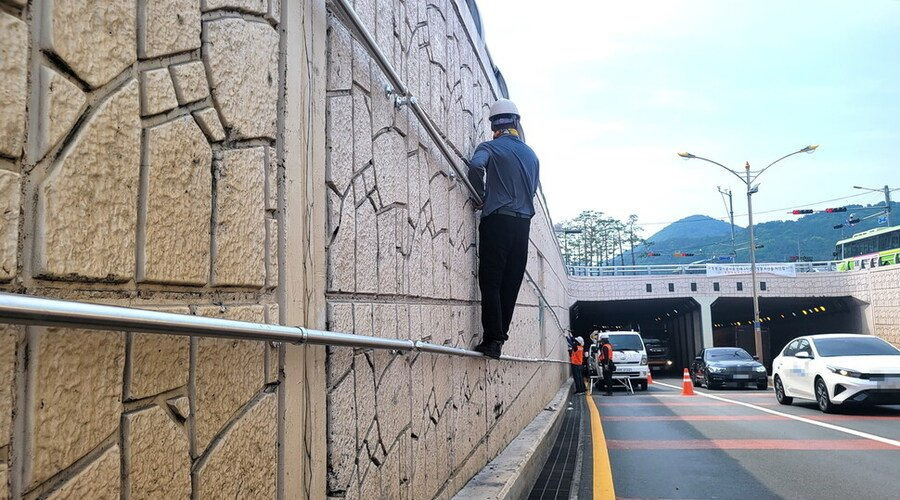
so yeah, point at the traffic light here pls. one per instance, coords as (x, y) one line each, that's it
(836, 209)
(853, 221)
(802, 212)
(652, 254)
(839, 226)
(683, 254)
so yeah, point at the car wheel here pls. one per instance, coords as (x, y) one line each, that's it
(822, 397)
(712, 385)
(779, 392)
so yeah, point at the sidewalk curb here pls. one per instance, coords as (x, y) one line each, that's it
(512, 474)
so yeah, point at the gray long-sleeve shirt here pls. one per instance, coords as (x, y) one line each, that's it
(511, 169)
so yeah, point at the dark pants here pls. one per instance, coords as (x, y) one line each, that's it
(606, 383)
(503, 252)
(578, 376)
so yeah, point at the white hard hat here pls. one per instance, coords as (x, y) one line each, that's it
(504, 107)
(580, 340)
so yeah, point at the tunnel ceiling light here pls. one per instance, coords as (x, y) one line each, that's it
(782, 316)
(822, 308)
(805, 313)
(795, 314)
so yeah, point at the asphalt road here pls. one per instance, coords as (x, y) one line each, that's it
(740, 443)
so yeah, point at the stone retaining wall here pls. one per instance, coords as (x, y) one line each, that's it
(402, 263)
(139, 167)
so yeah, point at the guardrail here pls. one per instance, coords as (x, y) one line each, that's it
(669, 269)
(30, 310)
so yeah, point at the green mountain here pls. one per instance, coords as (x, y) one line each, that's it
(811, 237)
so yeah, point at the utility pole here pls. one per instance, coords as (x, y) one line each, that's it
(730, 207)
(887, 199)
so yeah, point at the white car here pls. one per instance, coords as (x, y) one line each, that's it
(835, 369)
(629, 356)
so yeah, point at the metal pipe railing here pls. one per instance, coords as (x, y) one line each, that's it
(31, 310)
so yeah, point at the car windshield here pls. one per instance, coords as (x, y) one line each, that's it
(854, 346)
(626, 342)
(722, 354)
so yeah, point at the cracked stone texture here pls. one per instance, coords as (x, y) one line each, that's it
(9, 223)
(180, 406)
(158, 92)
(240, 219)
(243, 463)
(100, 480)
(88, 204)
(159, 455)
(272, 253)
(158, 362)
(61, 103)
(255, 6)
(106, 28)
(228, 373)
(179, 204)
(77, 396)
(208, 119)
(7, 384)
(190, 81)
(170, 26)
(271, 179)
(13, 90)
(242, 57)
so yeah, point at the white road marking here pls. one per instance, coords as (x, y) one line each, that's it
(826, 425)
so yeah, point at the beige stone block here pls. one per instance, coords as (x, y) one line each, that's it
(340, 56)
(342, 249)
(242, 57)
(339, 141)
(9, 223)
(158, 92)
(272, 253)
(61, 103)
(95, 39)
(159, 455)
(159, 363)
(228, 373)
(4, 481)
(169, 27)
(13, 90)
(77, 396)
(244, 463)
(190, 82)
(255, 6)
(275, 9)
(240, 219)
(179, 204)
(341, 434)
(7, 383)
(366, 249)
(100, 480)
(208, 119)
(88, 204)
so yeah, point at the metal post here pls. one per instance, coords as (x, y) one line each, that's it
(757, 329)
(731, 217)
(887, 204)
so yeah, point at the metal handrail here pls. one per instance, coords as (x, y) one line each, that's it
(31, 310)
(668, 269)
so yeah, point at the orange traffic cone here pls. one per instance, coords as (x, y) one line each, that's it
(650, 377)
(687, 385)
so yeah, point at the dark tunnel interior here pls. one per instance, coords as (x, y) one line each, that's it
(678, 322)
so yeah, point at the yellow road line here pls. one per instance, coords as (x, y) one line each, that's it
(602, 473)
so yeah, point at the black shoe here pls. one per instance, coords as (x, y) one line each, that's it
(490, 348)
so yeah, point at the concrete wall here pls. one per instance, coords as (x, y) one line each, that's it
(140, 166)
(402, 241)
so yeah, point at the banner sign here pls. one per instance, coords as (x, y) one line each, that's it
(785, 269)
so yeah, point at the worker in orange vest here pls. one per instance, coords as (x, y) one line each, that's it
(605, 359)
(576, 358)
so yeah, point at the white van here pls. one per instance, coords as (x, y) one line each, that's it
(630, 356)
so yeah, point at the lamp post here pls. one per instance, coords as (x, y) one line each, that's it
(748, 179)
(887, 199)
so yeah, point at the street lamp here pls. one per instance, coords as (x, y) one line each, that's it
(887, 199)
(748, 179)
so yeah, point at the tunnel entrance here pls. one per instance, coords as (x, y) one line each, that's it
(673, 321)
(783, 319)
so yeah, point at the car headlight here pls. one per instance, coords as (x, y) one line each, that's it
(845, 372)
(716, 369)
(669, 362)
(644, 360)
(760, 369)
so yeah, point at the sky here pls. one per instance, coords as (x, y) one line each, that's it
(610, 91)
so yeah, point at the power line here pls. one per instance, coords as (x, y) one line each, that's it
(724, 219)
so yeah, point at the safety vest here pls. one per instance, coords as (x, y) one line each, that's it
(577, 356)
(606, 353)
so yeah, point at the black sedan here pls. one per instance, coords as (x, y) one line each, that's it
(718, 366)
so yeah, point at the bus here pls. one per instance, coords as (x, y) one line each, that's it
(868, 249)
